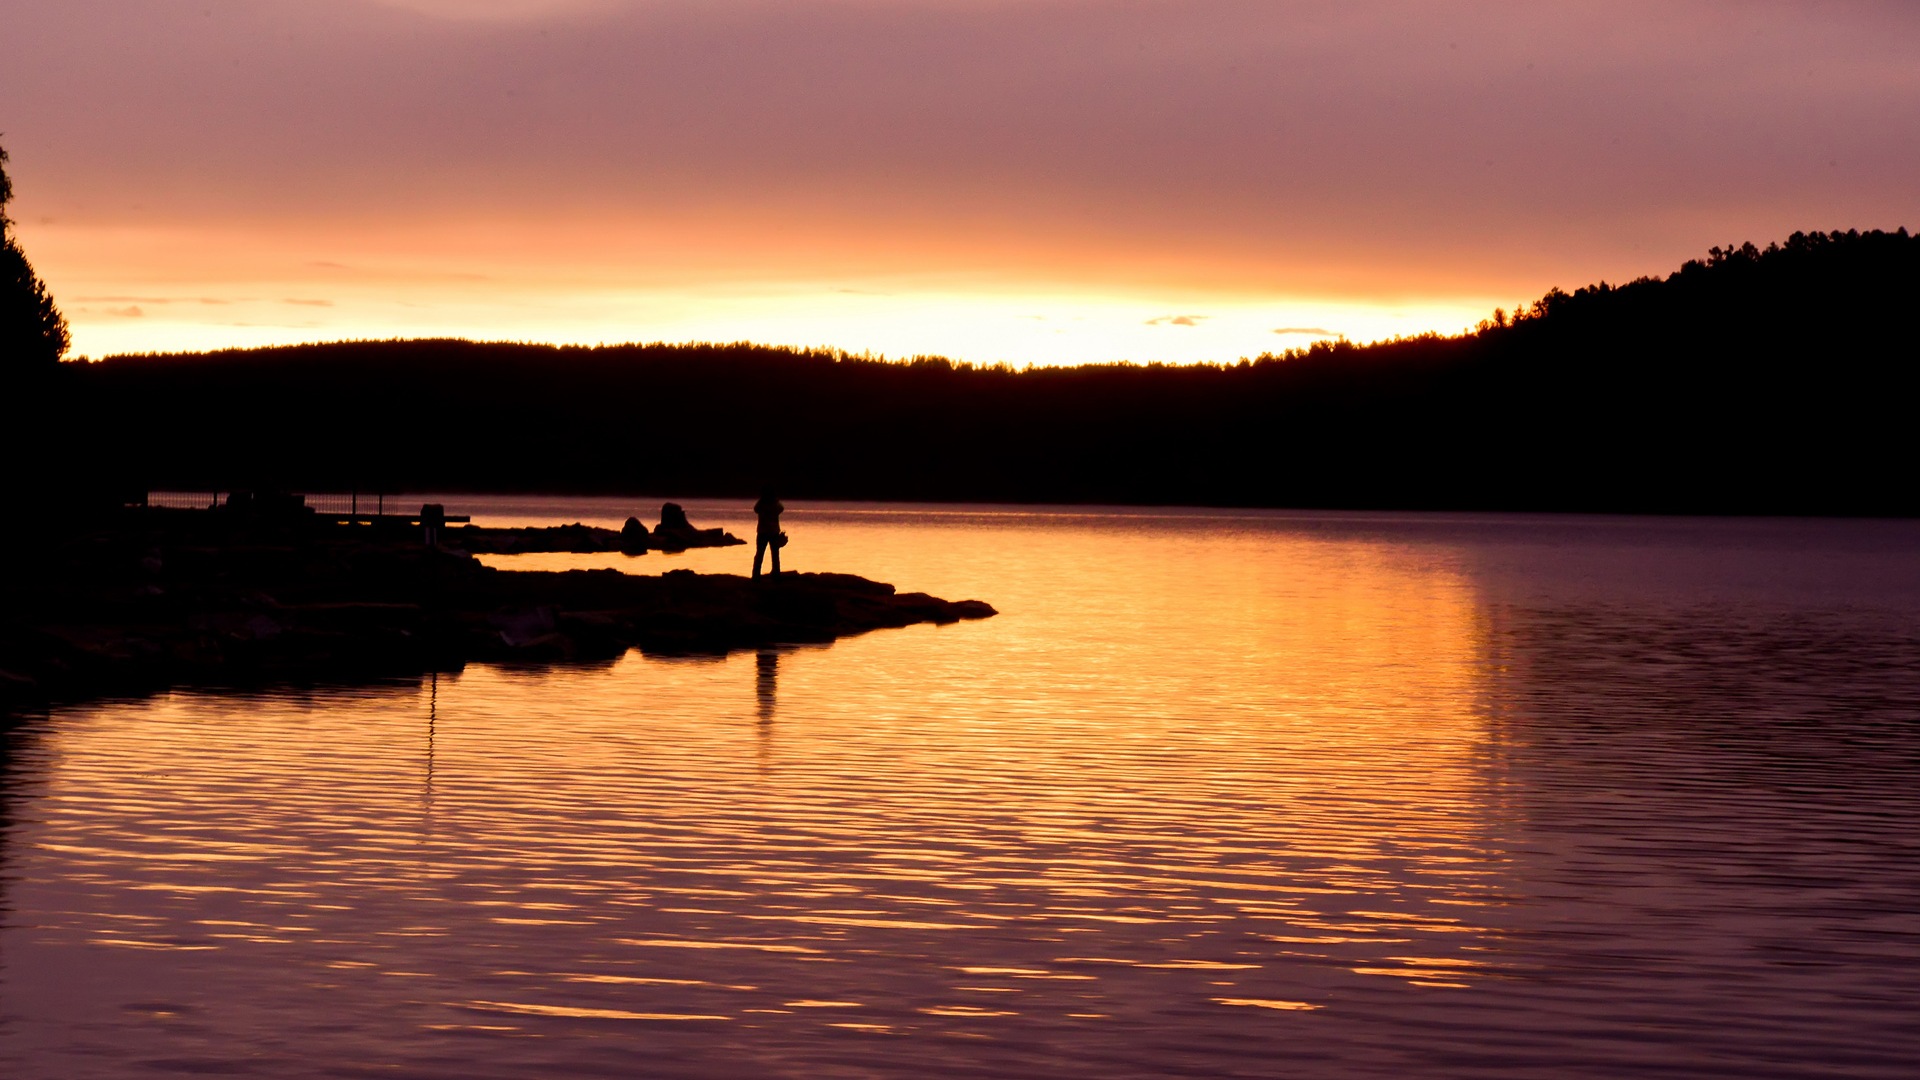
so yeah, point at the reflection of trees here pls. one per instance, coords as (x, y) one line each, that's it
(16, 736)
(1712, 812)
(1752, 697)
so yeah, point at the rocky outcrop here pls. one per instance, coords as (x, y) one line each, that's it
(163, 598)
(633, 538)
(674, 533)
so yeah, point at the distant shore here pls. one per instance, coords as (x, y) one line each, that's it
(1688, 394)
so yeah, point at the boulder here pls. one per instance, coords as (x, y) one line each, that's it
(633, 537)
(676, 533)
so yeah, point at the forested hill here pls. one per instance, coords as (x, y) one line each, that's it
(1776, 380)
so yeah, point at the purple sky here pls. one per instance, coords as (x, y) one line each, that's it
(1319, 165)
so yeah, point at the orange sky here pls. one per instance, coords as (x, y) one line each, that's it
(1036, 181)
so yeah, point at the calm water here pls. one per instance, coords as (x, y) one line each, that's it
(1261, 795)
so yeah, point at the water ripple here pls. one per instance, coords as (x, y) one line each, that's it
(1345, 799)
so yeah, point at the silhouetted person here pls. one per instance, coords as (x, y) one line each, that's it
(768, 535)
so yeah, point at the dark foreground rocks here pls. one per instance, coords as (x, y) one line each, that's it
(160, 599)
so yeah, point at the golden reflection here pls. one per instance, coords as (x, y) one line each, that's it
(169, 946)
(1179, 757)
(751, 945)
(583, 1013)
(832, 920)
(511, 921)
(965, 1010)
(632, 980)
(426, 782)
(1265, 1003)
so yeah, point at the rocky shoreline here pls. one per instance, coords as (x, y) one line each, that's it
(156, 598)
(578, 538)
(674, 533)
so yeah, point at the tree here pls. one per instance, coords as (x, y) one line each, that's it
(33, 334)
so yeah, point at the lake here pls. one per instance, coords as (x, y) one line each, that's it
(1218, 793)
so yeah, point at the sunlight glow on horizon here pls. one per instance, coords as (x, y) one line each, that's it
(1036, 182)
(129, 291)
(982, 329)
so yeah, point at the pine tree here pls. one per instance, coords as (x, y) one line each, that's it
(33, 334)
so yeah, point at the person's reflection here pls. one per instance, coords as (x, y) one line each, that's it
(433, 720)
(766, 667)
(766, 678)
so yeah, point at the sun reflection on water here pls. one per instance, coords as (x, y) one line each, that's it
(1283, 787)
(1208, 781)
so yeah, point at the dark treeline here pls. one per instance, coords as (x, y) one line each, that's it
(1776, 380)
(33, 333)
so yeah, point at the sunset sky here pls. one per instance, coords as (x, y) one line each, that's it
(1035, 181)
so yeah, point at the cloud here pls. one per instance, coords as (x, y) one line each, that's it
(1308, 331)
(150, 300)
(309, 303)
(498, 10)
(133, 312)
(1271, 152)
(1177, 320)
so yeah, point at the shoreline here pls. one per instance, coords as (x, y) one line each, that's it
(148, 600)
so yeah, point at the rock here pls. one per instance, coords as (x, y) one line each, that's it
(581, 539)
(676, 533)
(633, 537)
(236, 601)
